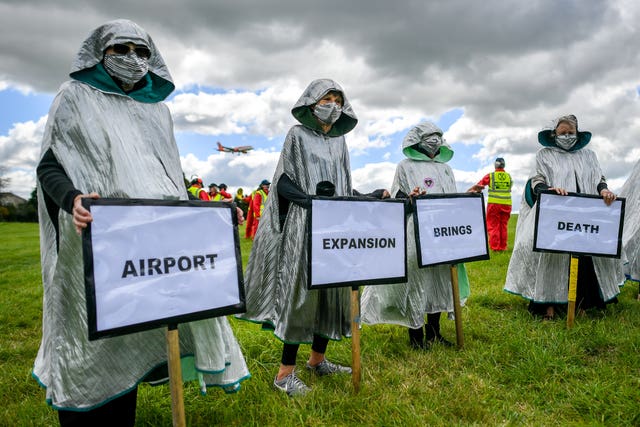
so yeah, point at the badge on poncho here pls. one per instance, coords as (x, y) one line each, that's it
(428, 182)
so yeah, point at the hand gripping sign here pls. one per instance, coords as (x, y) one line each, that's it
(150, 263)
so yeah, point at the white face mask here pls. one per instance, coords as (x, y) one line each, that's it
(129, 68)
(431, 144)
(328, 113)
(566, 141)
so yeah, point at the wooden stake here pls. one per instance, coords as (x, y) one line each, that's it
(573, 288)
(457, 310)
(355, 338)
(175, 376)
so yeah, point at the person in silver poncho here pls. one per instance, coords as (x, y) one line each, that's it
(631, 234)
(109, 135)
(314, 160)
(428, 290)
(563, 165)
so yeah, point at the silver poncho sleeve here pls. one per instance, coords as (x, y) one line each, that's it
(631, 235)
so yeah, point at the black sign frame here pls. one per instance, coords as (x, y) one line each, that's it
(355, 283)
(581, 195)
(416, 229)
(90, 293)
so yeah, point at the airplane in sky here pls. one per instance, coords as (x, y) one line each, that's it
(240, 149)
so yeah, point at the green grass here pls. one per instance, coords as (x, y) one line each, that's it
(513, 370)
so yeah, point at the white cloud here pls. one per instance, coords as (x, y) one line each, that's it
(20, 151)
(246, 170)
(373, 176)
(242, 65)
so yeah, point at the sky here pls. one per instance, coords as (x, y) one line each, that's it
(491, 74)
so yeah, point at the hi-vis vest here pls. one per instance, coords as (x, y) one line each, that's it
(263, 199)
(215, 198)
(499, 190)
(195, 191)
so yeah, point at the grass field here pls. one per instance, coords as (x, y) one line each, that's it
(513, 370)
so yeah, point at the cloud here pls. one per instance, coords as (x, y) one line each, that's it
(20, 151)
(511, 67)
(373, 176)
(246, 170)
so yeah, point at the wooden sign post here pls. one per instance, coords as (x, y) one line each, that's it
(355, 338)
(175, 376)
(573, 290)
(457, 309)
(367, 239)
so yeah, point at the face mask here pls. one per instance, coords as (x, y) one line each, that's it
(431, 144)
(566, 141)
(129, 68)
(328, 113)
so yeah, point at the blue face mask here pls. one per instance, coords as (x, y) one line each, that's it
(328, 113)
(566, 141)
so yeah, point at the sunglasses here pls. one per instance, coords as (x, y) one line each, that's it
(123, 49)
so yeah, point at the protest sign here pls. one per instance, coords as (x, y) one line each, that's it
(356, 241)
(579, 224)
(450, 228)
(150, 263)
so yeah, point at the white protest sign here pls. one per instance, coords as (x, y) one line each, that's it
(578, 224)
(355, 241)
(450, 228)
(149, 263)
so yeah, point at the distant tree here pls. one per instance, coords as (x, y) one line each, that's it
(26, 213)
(33, 199)
(4, 181)
(4, 213)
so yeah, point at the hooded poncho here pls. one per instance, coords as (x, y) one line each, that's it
(428, 290)
(117, 146)
(543, 277)
(631, 234)
(276, 276)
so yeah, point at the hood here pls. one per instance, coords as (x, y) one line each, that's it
(546, 139)
(414, 136)
(312, 94)
(87, 65)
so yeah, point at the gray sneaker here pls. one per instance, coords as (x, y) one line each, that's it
(291, 384)
(328, 368)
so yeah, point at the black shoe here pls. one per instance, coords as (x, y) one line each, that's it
(440, 340)
(416, 345)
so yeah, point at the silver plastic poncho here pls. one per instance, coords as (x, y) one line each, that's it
(631, 234)
(543, 277)
(428, 290)
(276, 276)
(118, 147)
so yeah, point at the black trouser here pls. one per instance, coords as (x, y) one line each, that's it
(431, 328)
(290, 351)
(120, 412)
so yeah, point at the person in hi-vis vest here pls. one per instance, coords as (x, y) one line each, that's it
(256, 207)
(196, 191)
(499, 204)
